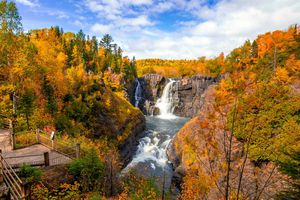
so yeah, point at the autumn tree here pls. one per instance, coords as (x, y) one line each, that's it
(11, 28)
(10, 19)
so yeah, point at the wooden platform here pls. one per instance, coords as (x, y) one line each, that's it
(31, 154)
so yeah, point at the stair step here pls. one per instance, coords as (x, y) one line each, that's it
(4, 191)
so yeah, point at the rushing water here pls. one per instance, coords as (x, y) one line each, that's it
(138, 93)
(165, 103)
(150, 158)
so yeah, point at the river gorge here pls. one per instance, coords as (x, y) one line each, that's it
(167, 104)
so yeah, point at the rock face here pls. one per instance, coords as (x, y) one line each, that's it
(198, 149)
(129, 146)
(187, 93)
(117, 119)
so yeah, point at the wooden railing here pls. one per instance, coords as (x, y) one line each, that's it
(43, 160)
(18, 189)
(8, 125)
(62, 148)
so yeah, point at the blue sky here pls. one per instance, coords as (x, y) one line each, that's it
(170, 29)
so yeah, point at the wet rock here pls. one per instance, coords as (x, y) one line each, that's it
(152, 86)
(129, 146)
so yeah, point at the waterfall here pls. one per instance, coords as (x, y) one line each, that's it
(138, 93)
(165, 102)
(150, 158)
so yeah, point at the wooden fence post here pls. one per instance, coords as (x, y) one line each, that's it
(37, 133)
(25, 191)
(12, 135)
(1, 167)
(13, 144)
(46, 159)
(52, 144)
(77, 150)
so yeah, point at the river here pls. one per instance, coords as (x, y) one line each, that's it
(150, 158)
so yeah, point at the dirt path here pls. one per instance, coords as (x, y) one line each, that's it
(31, 154)
(4, 141)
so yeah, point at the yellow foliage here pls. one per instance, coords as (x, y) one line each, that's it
(61, 57)
(196, 186)
(293, 66)
(282, 75)
(179, 68)
(25, 139)
(76, 75)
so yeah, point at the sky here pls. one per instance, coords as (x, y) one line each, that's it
(167, 29)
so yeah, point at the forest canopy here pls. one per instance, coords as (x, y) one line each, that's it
(77, 86)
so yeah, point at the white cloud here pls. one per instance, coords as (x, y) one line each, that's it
(101, 28)
(162, 7)
(136, 21)
(137, 2)
(212, 29)
(59, 14)
(29, 3)
(79, 24)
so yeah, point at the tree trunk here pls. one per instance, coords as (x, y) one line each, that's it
(244, 162)
(27, 121)
(111, 178)
(275, 59)
(229, 151)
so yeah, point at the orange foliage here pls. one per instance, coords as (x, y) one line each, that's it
(181, 68)
(196, 186)
(279, 39)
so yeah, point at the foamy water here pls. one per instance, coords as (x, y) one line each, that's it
(165, 102)
(138, 93)
(151, 158)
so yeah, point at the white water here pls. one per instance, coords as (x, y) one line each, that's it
(151, 158)
(151, 151)
(165, 102)
(138, 93)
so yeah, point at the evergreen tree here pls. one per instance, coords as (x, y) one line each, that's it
(48, 90)
(106, 42)
(10, 19)
(27, 105)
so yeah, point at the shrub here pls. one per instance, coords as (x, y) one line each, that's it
(140, 188)
(95, 196)
(64, 191)
(29, 173)
(62, 123)
(88, 171)
(26, 138)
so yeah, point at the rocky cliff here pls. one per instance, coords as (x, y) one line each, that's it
(152, 86)
(114, 117)
(187, 93)
(198, 150)
(128, 146)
